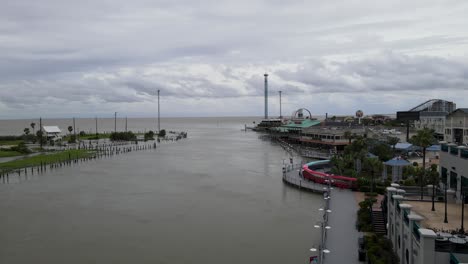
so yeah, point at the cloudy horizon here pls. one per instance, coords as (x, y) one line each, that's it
(88, 58)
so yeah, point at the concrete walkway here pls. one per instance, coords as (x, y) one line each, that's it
(342, 238)
(343, 235)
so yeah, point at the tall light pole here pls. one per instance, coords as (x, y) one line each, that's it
(445, 200)
(462, 229)
(266, 95)
(281, 116)
(115, 122)
(159, 115)
(97, 135)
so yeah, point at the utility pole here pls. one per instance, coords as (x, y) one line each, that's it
(281, 116)
(126, 124)
(97, 135)
(159, 116)
(115, 122)
(40, 131)
(266, 95)
(74, 130)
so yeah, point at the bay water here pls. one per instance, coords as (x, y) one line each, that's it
(215, 197)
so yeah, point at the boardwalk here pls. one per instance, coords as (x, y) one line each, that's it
(292, 177)
(342, 238)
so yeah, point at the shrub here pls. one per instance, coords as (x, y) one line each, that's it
(21, 148)
(364, 189)
(82, 133)
(126, 136)
(371, 194)
(149, 135)
(380, 250)
(72, 139)
(380, 189)
(162, 133)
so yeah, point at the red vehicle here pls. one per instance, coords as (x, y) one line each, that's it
(319, 172)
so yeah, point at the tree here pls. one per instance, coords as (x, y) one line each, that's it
(26, 131)
(149, 135)
(33, 125)
(162, 133)
(358, 150)
(382, 150)
(423, 138)
(348, 135)
(373, 165)
(70, 129)
(392, 141)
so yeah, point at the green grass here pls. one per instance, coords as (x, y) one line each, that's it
(49, 158)
(10, 142)
(87, 136)
(9, 153)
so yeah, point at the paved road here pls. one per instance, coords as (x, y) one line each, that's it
(342, 238)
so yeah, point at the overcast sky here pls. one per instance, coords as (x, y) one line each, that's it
(93, 57)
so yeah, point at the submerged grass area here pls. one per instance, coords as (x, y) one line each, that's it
(45, 158)
(9, 153)
(87, 137)
(10, 142)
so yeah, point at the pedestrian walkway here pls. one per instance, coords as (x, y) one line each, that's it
(292, 177)
(342, 238)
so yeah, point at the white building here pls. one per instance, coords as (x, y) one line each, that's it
(432, 115)
(52, 132)
(456, 127)
(415, 244)
(454, 168)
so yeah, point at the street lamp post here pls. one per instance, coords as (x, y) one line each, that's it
(159, 116)
(445, 199)
(462, 230)
(281, 116)
(115, 122)
(323, 227)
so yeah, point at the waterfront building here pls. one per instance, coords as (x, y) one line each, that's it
(419, 235)
(432, 115)
(456, 127)
(332, 136)
(52, 132)
(454, 168)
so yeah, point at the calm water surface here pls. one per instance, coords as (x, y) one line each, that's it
(216, 197)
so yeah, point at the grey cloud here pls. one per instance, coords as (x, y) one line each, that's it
(384, 72)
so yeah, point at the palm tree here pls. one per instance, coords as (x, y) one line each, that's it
(424, 138)
(373, 165)
(348, 135)
(392, 141)
(70, 129)
(33, 125)
(26, 131)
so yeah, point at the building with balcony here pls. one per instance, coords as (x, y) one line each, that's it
(454, 168)
(418, 236)
(432, 115)
(456, 127)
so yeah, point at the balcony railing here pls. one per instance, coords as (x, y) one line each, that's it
(464, 153)
(454, 151)
(444, 148)
(405, 217)
(416, 231)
